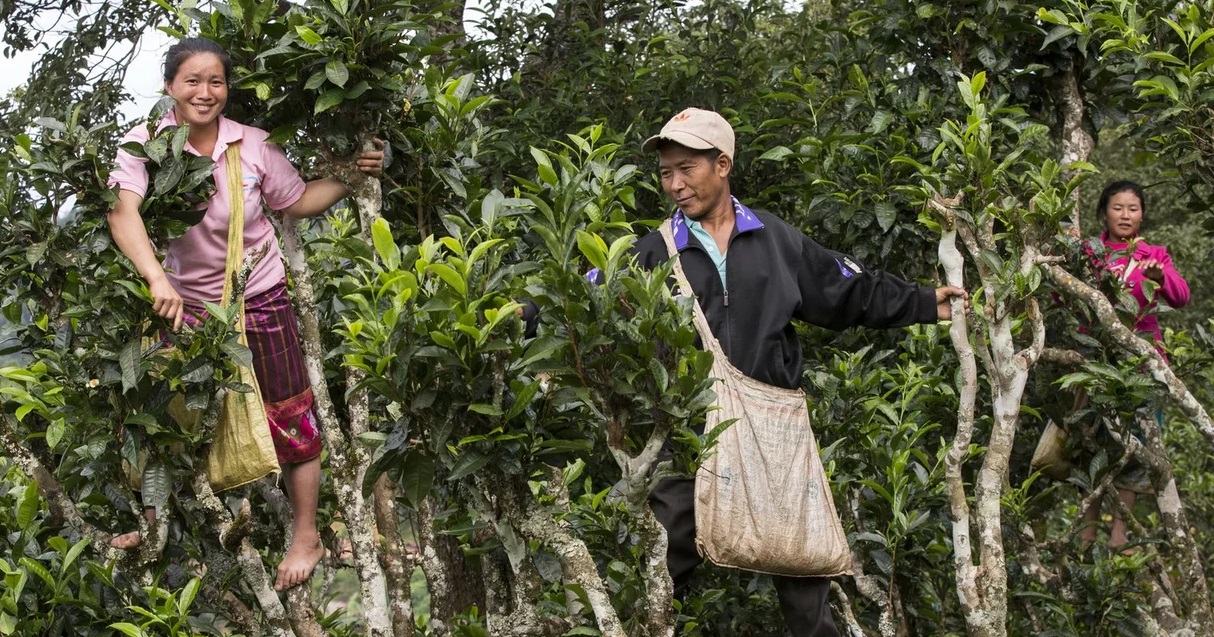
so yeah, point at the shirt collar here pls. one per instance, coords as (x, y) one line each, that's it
(745, 220)
(1119, 244)
(229, 132)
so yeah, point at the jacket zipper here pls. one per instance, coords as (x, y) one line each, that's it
(728, 322)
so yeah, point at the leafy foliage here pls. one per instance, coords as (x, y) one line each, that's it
(517, 171)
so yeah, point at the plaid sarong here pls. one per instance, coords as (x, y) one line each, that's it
(273, 335)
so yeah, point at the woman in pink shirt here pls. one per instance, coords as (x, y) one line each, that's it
(196, 74)
(1133, 261)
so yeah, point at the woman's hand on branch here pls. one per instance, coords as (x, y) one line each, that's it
(944, 301)
(372, 161)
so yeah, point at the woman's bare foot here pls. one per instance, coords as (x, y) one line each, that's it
(132, 540)
(297, 565)
(127, 541)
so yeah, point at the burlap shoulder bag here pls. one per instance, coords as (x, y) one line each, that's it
(242, 448)
(762, 500)
(1050, 455)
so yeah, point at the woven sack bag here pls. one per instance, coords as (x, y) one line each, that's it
(762, 500)
(1050, 455)
(242, 448)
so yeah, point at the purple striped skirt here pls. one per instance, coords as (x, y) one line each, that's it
(273, 335)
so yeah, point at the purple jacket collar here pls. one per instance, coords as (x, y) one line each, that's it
(744, 221)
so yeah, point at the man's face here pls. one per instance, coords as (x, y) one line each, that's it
(695, 183)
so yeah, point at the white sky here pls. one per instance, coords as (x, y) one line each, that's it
(143, 79)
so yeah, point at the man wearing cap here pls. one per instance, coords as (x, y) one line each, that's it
(752, 274)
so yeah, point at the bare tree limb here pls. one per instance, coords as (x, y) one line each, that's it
(577, 564)
(850, 624)
(1077, 143)
(1179, 532)
(959, 511)
(869, 587)
(348, 461)
(248, 558)
(61, 506)
(397, 567)
(1065, 357)
(1130, 342)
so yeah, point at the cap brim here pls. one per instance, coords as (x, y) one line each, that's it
(683, 139)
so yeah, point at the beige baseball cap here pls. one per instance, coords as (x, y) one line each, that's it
(696, 128)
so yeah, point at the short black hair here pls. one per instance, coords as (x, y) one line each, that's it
(710, 154)
(1124, 185)
(187, 48)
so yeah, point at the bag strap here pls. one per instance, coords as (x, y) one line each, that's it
(235, 221)
(1129, 269)
(235, 258)
(707, 338)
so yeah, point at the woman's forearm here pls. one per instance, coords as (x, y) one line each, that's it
(126, 226)
(318, 196)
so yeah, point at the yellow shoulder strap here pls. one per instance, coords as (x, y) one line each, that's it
(235, 220)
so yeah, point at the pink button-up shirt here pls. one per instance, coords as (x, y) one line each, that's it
(196, 260)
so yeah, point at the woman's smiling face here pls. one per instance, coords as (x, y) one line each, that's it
(200, 89)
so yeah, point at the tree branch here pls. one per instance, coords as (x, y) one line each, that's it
(963, 560)
(348, 462)
(1077, 144)
(1130, 342)
(577, 564)
(1064, 357)
(62, 507)
(850, 623)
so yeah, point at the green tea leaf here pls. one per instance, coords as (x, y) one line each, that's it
(418, 477)
(385, 245)
(29, 506)
(328, 100)
(469, 463)
(128, 361)
(54, 433)
(157, 486)
(308, 35)
(337, 73)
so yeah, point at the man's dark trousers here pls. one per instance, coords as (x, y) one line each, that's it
(803, 599)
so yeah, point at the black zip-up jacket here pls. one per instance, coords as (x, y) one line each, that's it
(776, 274)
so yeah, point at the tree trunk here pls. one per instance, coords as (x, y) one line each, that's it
(449, 25)
(982, 586)
(347, 461)
(249, 561)
(397, 566)
(1191, 573)
(959, 509)
(550, 56)
(1077, 143)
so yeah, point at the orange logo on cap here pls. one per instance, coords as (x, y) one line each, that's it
(681, 116)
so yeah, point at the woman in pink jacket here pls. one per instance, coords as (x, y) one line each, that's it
(1122, 207)
(1133, 261)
